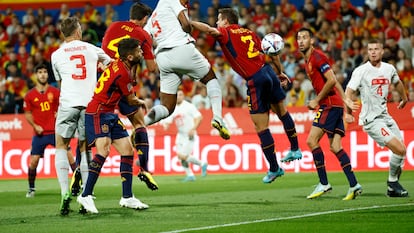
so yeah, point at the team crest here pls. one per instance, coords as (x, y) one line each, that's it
(105, 128)
(50, 97)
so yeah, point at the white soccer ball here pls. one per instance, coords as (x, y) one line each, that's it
(272, 44)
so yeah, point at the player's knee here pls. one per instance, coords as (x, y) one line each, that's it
(311, 143)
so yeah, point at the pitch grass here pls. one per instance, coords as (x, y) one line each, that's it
(216, 203)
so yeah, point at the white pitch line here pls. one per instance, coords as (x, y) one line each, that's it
(287, 218)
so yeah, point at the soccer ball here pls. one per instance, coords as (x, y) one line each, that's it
(272, 44)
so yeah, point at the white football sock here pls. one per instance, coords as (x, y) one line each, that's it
(157, 113)
(215, 96)
(62, 170)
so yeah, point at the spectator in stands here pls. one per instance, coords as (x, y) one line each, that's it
(89, 35)
(407, 74)
(238, 6)
(89, 13)
(393, 31)
(18, 87)
(411, 95)
(110, 14)
(348, 11)
(233, 98)
(7, 102)
(309, 12)
(99, 27)
(297, 93)
(269, 8)
(62, 14)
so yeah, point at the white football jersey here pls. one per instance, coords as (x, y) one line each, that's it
(164, 26)
(183, 117)
(75, 65)
(373, 84)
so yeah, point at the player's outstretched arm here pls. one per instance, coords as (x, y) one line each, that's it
(205, 28)
(401, 90)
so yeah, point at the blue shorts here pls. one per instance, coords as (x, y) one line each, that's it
(103, 125)
(330, 119)
(126, 109)
(40, 142)
(263, 89)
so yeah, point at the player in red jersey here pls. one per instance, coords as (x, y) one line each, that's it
(329, 117)
(40, 107)
(103, 126)
(133, 29)
(242, 49)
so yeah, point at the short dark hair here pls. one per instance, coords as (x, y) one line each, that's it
(138, 11)
(69, 26)
(127, 46)
(230, 14)
(374, 41)
(40, 66)
(305, 30)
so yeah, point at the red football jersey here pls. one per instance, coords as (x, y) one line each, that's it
(43, 107)
(316, 67)
(114, 83)
(241, 47)
(126, 29)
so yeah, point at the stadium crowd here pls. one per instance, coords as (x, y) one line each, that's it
(341, 28)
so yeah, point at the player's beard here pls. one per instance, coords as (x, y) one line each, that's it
(135, 61)
(42, 83)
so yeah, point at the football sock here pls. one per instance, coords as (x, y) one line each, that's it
(142, 147)
(268, 147)
(290, 130)
(126, 175)
(396, 162)
(62, 170)
(156, 114)
(95, 167)
(83, 167)
(346, 167)
(32, 177)
(187, 169)
(319, 160)
(215, 96)
(194, 160)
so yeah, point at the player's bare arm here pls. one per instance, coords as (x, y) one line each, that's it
(329, 85)
(279, 69)
(185, 23)
(37, 128)
(134, 100)
(401, 90)
(206, 28)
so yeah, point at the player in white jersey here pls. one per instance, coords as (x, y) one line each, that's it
(187, 119)
(373, 80)
(74, 65)
(176, 55)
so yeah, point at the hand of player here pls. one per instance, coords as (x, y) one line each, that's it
(38, 129)
(141, 103)
(349, 118)
(402, 104)
(351, 104)
(284, 79)
(312, 104)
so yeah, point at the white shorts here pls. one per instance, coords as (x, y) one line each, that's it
(382, 130)
(178, 61)
(68, 120)
(184, 146)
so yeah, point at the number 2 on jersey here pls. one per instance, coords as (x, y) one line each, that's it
(250, 53)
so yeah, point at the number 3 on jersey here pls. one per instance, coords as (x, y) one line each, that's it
(81, 65)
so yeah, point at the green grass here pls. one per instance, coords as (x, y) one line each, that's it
(217, 203)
